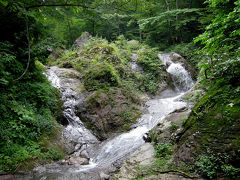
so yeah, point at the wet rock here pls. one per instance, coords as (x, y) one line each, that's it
(104, 176)
(84, 154)
(134, 65)
(103, 115)
(78, 161)
(143, 156)
(7, 177)
(146, 138)
(165, 131)
(62, 162)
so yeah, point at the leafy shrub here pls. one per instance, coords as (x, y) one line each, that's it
(212, 166)
(173, 127)
(154, 72)
(163, 150)
(28, 109)
(100, 77)
(133, 45)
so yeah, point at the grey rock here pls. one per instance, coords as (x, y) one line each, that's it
(104, 176)
(143, 156)
(78, 161)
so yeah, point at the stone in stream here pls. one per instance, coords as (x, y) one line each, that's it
(104, 176)
(143, 156)
(78, 161)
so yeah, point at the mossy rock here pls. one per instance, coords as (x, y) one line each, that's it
(101, 49)
(109, 111)
(213, 127)
(101, 76)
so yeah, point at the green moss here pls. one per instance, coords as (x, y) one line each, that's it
(100, 77)
(154, 72)
(216, 120)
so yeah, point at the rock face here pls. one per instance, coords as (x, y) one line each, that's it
(83, 39)
(105, 112)
(144, 156)
(213, 131)
(78, 161)
(170, 129)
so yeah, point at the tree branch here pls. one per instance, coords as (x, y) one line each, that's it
(181, 173)
(29, 53)
(57, 5)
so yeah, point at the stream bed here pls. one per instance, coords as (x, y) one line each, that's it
(105, 157)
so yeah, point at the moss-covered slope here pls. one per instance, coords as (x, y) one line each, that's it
(115, 91)
(211, 138)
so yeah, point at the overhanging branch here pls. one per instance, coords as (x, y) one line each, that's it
(57, 5)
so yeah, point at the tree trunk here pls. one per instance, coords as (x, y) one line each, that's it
(190, 4)
(169, 23)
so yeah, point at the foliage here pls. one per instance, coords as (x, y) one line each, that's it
(163, 150)
(29, 106)
(220, 40)
(212, 166)
(216, 117)
(173, 127)
(154, 73)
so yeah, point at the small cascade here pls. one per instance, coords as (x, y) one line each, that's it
(134, 64)
(181, 78)
(125, 143)
(74, 132)
(104, 155)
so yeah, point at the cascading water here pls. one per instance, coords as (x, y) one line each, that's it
(105, 154)
(134, 64)
(181, 78)
(75, 132)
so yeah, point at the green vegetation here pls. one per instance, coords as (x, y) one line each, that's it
(216, 117)
(115, 88)
(213, 165)
(34, 29)
(29, 105)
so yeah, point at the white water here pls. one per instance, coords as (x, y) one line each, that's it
(75, 131)
(105, 154)
(134, 65)
(181, 78)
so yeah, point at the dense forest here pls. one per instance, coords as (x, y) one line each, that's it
(36, 34)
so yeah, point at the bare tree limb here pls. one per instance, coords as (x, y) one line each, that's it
(181, 173)
(29, 53)
(57, 5)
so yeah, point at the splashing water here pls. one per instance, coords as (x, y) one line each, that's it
(181, 78)
(103, 155)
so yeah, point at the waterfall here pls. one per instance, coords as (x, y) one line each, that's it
(105, 154)
(74, 132)
(134, 66)
(180, 77)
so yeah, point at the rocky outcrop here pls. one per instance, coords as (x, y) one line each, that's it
(105, 112)
(170, 129)
(178, 58)
(77, 161)
(212, 131)
(144, 156)
(83, 39)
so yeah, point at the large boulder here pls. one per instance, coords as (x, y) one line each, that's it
(108, 111)
(83, 39)
(78, 161)
(144, 156)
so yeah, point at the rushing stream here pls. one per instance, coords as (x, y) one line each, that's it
(105, 155)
